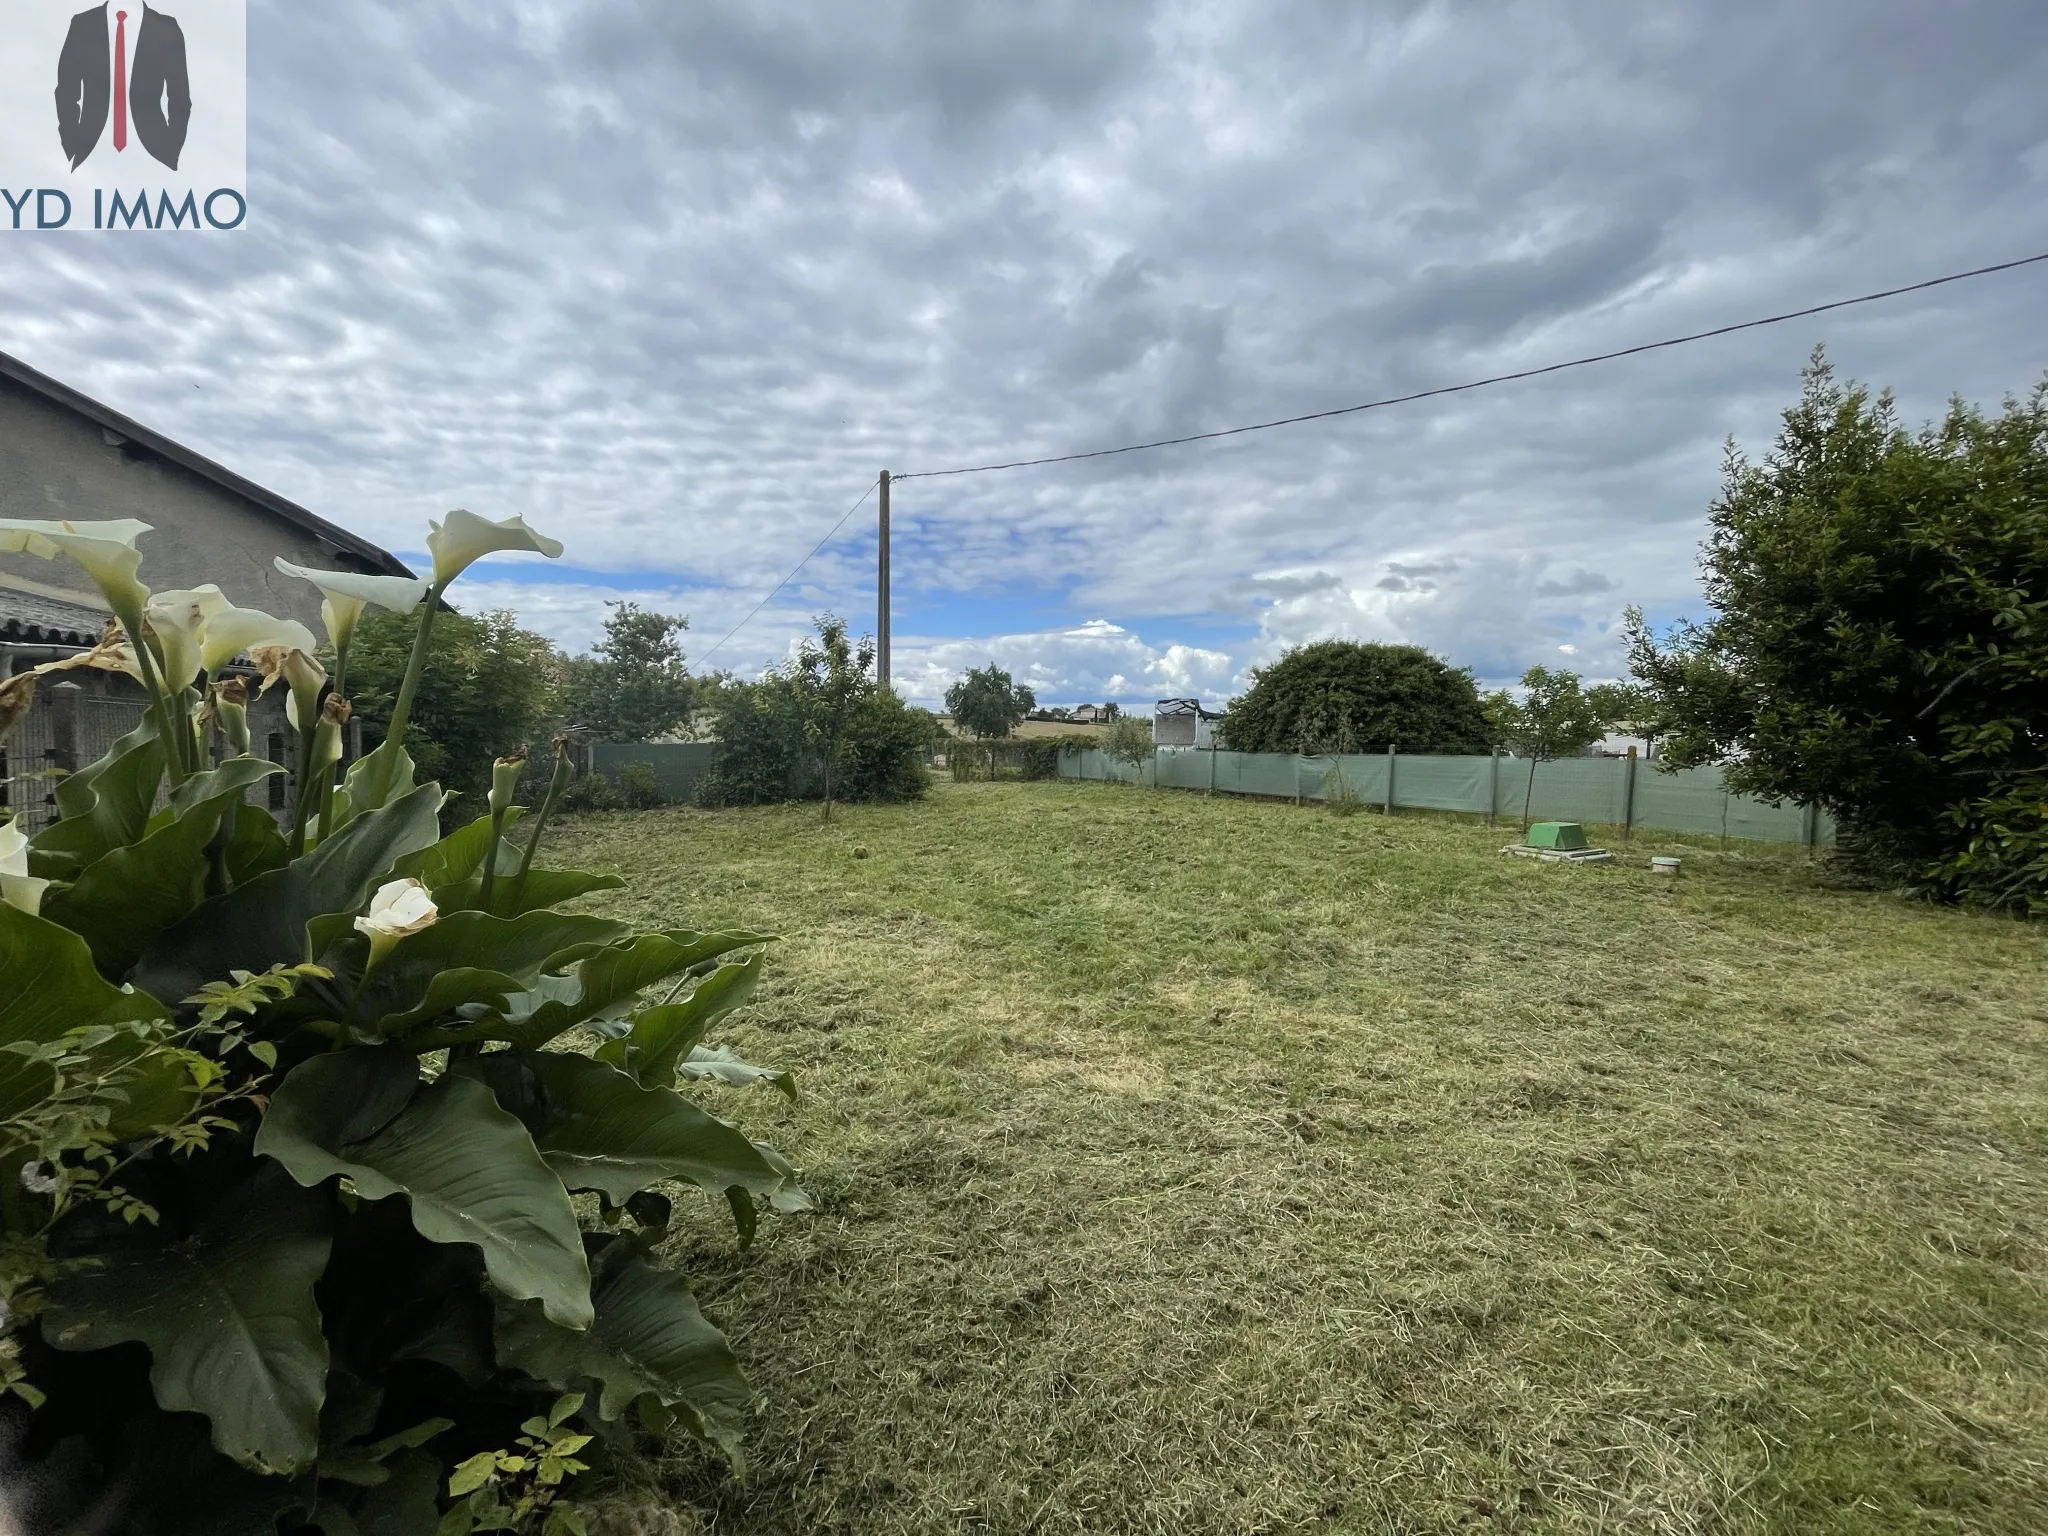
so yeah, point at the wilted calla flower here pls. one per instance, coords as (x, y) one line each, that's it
(463, 538)
(345, 594)
(399, 908)
(18, 888)
(300, 673)
(17, 698)
(179, 620)
(231, 631)
(106, 550)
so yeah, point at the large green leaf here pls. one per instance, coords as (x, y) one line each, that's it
(469, 957)
(378, 778)
(458, 855)
(126, 897)
(51, 985)
(468, 1168)
(256, 846)
(263, 923)
(101, 807)
(663, 1037)
(648, 1337)
(228, 1315)
(610, 978)
(543, 888)
(598, 1129)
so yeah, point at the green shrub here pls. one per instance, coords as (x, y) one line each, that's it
(639, 788)
(353, 1131)
(815, 726)
(488, 686)
(1344, 696)
(1880, 643)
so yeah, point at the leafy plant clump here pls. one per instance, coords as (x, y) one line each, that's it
(1128, 740)
(1344, 696)
(819, 727)
(332, 1157)
(1880, 645)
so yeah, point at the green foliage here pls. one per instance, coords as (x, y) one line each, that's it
(635, 687)
(319, 1132)
(1034, 757)
(1128, 740)
(1880, 644)
(1555, 717)
(487, 687)
(986, 702)
(818, 727)
(1347, 696)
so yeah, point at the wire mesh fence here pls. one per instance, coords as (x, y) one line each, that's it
(1619, 791)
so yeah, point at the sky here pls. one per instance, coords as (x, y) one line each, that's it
(676, 282)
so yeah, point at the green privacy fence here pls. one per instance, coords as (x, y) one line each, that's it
(678, 765)
(1621, 791)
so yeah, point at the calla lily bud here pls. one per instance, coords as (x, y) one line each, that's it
(334, 714)
(505, 773)
(400, 908)
(231, 710)
(462, 538)
(18, 888)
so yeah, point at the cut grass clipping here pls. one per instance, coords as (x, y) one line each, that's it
(1193, 1165)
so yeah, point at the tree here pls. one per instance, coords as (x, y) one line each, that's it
(1353, 696)
(1128, 740)
(1880, 642)
(487, 687)
(635, 687)
(826, 680)
(1554, 717)
(986, 702)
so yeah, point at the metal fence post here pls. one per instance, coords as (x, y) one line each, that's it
(1628, 797)
(1493, 789)
(1390, 780)
(64, 726)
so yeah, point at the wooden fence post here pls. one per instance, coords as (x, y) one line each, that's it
(1628, 797)
(64, 726)
(1390, 779)
(1493, 789)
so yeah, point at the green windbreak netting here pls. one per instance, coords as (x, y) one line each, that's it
(1613, 791)
(677, 765)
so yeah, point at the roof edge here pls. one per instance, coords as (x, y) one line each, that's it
(111, 420)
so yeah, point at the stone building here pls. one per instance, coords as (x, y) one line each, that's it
(64, 456)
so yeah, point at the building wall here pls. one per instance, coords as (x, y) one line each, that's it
(56, 464)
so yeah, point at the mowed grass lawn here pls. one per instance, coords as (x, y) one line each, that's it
(1192, 1165)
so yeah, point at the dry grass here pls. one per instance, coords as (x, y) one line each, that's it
(1192, 1166)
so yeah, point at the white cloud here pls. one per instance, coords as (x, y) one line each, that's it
(1094, 662)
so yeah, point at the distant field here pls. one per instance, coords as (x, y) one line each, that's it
(1213, 1166)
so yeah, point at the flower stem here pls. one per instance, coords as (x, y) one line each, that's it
(556, 783)
(401, 712)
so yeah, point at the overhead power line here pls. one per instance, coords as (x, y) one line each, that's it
(1374, 405)
(743, 623)
(1498, 378)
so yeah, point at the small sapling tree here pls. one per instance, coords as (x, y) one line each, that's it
(1555, 717)
(1128, 740)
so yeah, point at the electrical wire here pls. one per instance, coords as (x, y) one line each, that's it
(1499, 378)
(743, 623)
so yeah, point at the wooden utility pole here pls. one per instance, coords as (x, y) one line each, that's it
(882, 593)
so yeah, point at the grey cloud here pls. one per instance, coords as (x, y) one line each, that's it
(677, 280)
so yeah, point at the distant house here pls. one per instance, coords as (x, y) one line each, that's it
(1183, 723)
(64, 456)
(1092, 714)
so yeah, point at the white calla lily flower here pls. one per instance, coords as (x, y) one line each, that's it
(399, 908)
(105, 549)
(179, 621)
(18, 888)
(345, 594)
(231, 631)
(462, 538)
